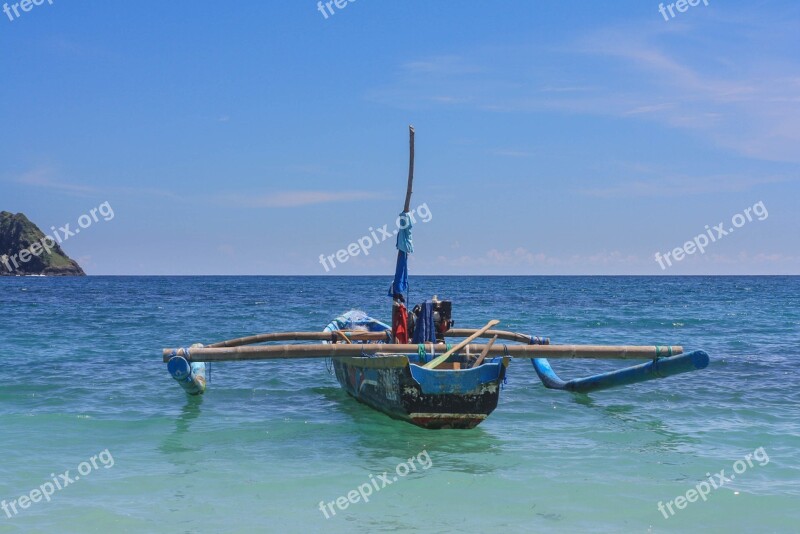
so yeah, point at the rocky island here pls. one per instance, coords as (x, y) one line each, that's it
(25, 250)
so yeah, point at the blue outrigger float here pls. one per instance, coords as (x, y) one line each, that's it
(395, 368)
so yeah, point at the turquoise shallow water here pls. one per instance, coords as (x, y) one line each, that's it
(81, 373)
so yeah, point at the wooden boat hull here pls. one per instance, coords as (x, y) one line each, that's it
(433, 399)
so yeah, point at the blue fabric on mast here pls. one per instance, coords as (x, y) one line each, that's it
(425, 329)
(400, 284)
(405, 246)
(404, 242)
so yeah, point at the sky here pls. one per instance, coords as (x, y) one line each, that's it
(251, 138)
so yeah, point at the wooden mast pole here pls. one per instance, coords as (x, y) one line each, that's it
(409, 189)
(398, 305)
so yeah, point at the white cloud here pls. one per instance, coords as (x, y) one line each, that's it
(733, 81)
(520, 260)
(522, 257)
(291, 199)
(43, 177)
(680, 186)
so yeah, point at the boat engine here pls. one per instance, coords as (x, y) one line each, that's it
(442, 317)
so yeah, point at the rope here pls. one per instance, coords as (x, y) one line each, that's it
(656, 368)
(536, 340)
(659, 349)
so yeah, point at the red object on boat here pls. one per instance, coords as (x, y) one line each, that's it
(399, 323)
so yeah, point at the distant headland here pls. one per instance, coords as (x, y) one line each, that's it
(25, 250)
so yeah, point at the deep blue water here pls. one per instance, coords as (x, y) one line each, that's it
(82, 373)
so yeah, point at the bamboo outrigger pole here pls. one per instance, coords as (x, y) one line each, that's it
(331, 337)
(282, 352)
(370, 336)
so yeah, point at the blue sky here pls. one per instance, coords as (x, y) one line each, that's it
(552, 137)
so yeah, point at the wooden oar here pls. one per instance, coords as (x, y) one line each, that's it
(441, 359)
(485, 352)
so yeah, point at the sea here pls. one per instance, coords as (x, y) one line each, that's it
(97, 437)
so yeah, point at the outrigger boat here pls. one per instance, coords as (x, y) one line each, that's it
(409, 371)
